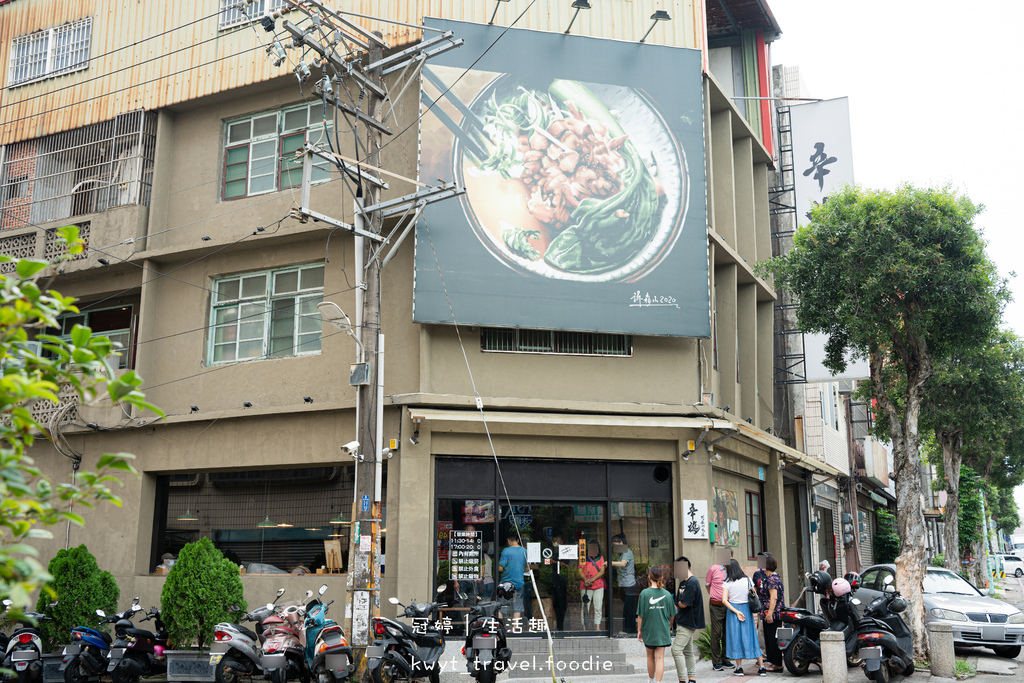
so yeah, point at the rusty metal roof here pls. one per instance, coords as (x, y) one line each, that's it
(727, 17)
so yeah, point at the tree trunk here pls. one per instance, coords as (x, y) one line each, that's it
(952, 460)
(979, 574)
(911, 563)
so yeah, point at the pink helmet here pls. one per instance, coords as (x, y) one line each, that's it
(841, 587)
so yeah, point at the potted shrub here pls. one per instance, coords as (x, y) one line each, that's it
(200, 590)
(80, 588)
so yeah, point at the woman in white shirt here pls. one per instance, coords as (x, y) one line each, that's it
(740, 630)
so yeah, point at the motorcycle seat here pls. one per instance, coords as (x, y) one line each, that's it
(280, 628)
(247, 632)
(106, 637)
(140, 633)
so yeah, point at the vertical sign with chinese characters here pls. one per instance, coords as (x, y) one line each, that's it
(466, 549)
(695, 519)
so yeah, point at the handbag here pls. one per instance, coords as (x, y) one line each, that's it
(753, 602)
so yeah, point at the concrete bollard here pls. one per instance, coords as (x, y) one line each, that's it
(833, 657)
(940, 642)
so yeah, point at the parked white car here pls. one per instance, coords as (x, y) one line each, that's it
(1013, 565)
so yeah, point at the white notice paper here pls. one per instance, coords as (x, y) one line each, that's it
(533, 553)
(568, 552)
(365, 543)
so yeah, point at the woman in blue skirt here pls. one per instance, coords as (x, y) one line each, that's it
(740, 630)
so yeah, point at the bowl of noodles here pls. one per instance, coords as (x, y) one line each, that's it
(572, 181)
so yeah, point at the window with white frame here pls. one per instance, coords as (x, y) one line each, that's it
(50, 52)
(267, 314)
(259, 150)
(236, 12)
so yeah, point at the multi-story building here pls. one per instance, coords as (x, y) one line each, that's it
(164, 132)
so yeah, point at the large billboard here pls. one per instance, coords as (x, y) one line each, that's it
(823, 162)
(583, 165)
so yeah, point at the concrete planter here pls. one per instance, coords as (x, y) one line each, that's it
(189, 666)
(51, 669)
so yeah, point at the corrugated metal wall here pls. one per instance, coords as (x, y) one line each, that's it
(208, 61)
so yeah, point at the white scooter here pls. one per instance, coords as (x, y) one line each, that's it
(236, 650)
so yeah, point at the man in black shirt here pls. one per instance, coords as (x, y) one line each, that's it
(689, 620)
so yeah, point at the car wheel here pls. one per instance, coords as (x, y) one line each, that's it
(1009, 651)
(1019, 573)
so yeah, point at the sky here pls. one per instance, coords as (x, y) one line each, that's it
(933, 101)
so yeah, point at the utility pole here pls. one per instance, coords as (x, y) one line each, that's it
(351, 56)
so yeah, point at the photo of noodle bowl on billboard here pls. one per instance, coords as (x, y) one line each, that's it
(565, 179)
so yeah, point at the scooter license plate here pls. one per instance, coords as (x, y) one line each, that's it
(784, 633)
(482, 642)
(337, 662)
(72, 649)
(375, 651)
(117, 653)
(215, 658)
(870, 652)
(24, 656)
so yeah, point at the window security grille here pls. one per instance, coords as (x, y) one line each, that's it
(78, 172)
(235, 13)
(267, 314)
(50, 52)
(514, 340)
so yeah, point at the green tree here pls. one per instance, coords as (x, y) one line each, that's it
(29, 502)
(887, 541)
(900, 278)
(971, 403)
(969, 512)
(200, 588)
(81, 588)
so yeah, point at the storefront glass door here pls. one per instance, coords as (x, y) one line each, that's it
(567, 545)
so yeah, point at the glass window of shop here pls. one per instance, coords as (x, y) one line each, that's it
(280, 521)
(589, 544)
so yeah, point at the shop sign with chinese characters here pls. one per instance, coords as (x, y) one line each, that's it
(466, 555)
(695, 519)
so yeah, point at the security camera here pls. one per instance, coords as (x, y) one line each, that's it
(415, 438)
(686, 455)
(350, 448)
(388, 453)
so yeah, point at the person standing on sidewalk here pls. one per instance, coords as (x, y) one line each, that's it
(625, 579)
(713, 581)
(654, 612)
(739, 624)
(689, 620)
(759, 577)
(773, 601)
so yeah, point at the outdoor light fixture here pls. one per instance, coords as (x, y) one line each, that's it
(496, 6)
(339, 520)
(266, 524)
(312, 528)
(659, 15)
(188, 517)
(247, 405)
(195, 409)
(307, 399)
(577, 5)
(285, 525)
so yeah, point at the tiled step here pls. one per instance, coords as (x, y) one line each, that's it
(573, 657)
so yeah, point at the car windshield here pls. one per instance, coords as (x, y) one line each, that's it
(947, 582)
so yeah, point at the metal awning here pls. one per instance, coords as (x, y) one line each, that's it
(742, 429)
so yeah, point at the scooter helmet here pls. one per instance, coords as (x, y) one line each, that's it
(820, 582)
(841, 587)
(854, 579)
(898, 604)
(505, 590)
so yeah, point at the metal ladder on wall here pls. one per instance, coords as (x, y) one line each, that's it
(790, 358)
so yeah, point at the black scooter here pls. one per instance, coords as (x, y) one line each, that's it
(401, 652)
(137, 652)
(800, 639)
(886, 644)
(486, 649)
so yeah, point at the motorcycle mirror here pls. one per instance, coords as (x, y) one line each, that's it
(100, 613)
(7, 602)
(280, 592)
(889, 588)
(323, 589)
(442, 588)
(394, 601)
(888, 579)
(309, 594)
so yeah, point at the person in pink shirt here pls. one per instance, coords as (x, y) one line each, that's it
(717, 609)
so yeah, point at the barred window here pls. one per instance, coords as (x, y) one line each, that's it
(516, 340)
(236, 12)
(267, 314)
(50, 52)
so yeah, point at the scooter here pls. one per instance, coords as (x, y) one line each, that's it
(283, 654)
(886, 644)
(328, 653)
(23, 655)
(402, 653)
(137, 652)
(85, 657)
(236, 650)
(800, 640)
(486, 649)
